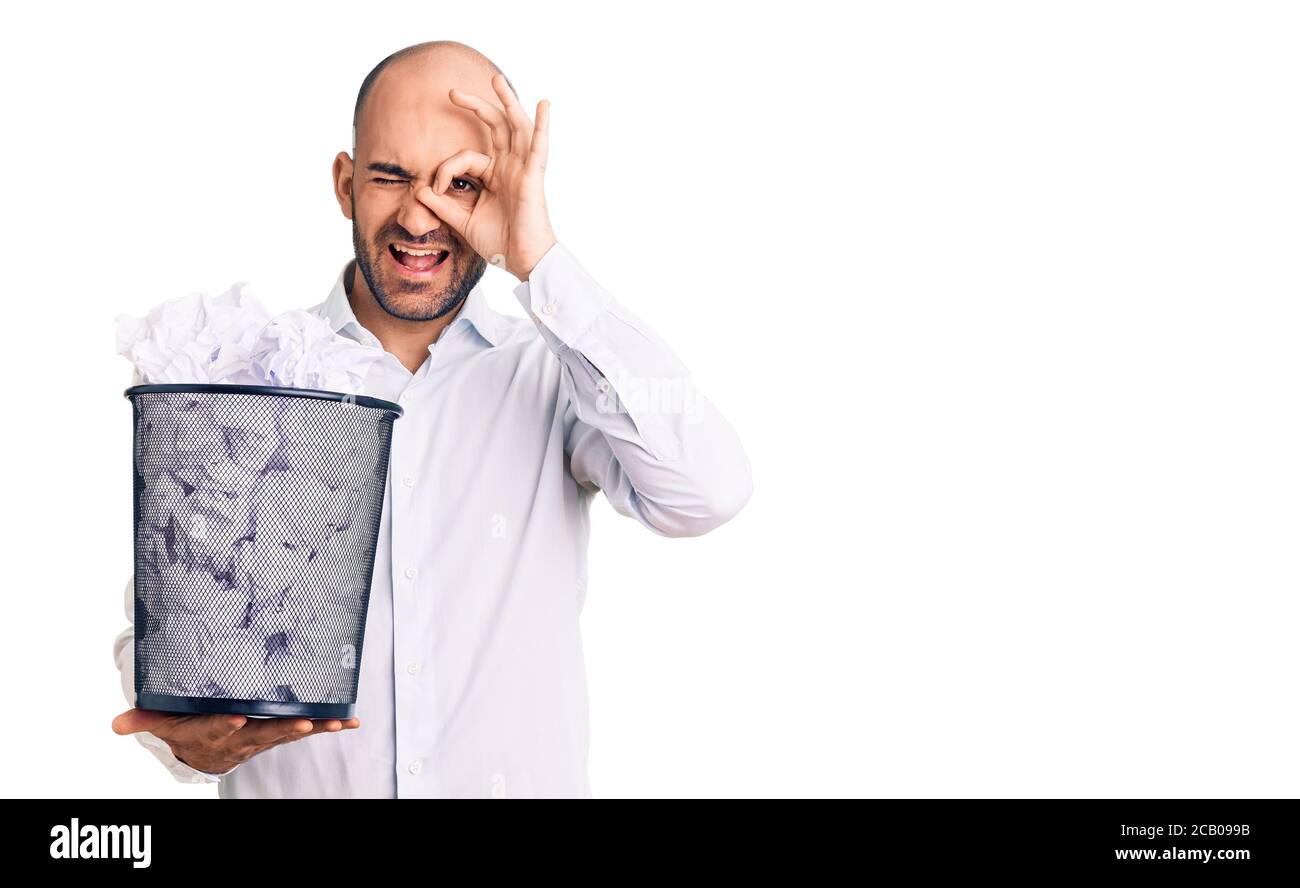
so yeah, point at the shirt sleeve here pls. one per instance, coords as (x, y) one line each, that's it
(124, 657)
(638, 430)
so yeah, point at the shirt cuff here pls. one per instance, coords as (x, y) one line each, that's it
(561, 296)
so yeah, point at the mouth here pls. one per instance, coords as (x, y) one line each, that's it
(415, 262)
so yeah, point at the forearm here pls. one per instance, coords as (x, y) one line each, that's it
(678, 466)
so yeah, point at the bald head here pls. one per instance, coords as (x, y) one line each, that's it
(431, 54)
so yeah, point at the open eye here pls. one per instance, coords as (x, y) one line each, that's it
(463, 185)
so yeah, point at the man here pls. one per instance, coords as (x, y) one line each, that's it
(472, 679)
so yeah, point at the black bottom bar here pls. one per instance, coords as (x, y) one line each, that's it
(166, 703)
(1079, 839)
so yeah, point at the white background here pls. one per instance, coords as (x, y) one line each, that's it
(1001, 298)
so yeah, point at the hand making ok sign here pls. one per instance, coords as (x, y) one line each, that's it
(508, 224)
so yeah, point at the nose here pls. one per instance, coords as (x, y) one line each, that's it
(414, 216)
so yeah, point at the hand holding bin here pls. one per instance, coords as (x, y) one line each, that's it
(256, 516)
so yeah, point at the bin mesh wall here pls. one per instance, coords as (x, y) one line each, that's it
(256, 518)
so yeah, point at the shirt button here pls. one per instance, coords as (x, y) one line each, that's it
(548, 308)
(408, 481)
(414, 767)
(603, 385)
(413, 667)
(410, 573)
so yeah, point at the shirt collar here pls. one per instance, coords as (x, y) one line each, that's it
(338, 311)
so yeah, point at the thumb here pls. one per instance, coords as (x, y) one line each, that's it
(134, 721)
(445, 208)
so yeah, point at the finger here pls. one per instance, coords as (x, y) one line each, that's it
(264, 731)
(321, 726)
(133, 721)
(326, 726)
(490, 114)
(541, 138)
(521, 128)
(462, 163)
(318, 726)
(445, 208)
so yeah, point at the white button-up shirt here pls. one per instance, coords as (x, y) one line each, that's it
(472, 680)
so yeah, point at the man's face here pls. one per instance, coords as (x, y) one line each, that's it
(408, 128)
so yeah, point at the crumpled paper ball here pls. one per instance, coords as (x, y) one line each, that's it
(232, 339)
(298, 349)
(194, 338)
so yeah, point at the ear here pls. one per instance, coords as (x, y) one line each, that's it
(343, 182)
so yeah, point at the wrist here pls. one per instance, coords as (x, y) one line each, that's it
(533, 257)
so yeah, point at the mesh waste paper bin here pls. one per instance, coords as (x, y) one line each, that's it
(257, 512)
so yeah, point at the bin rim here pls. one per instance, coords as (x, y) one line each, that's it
(285, 392)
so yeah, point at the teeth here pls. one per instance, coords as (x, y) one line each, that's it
(416, 252)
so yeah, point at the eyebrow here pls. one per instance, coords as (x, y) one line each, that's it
(391, 168)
